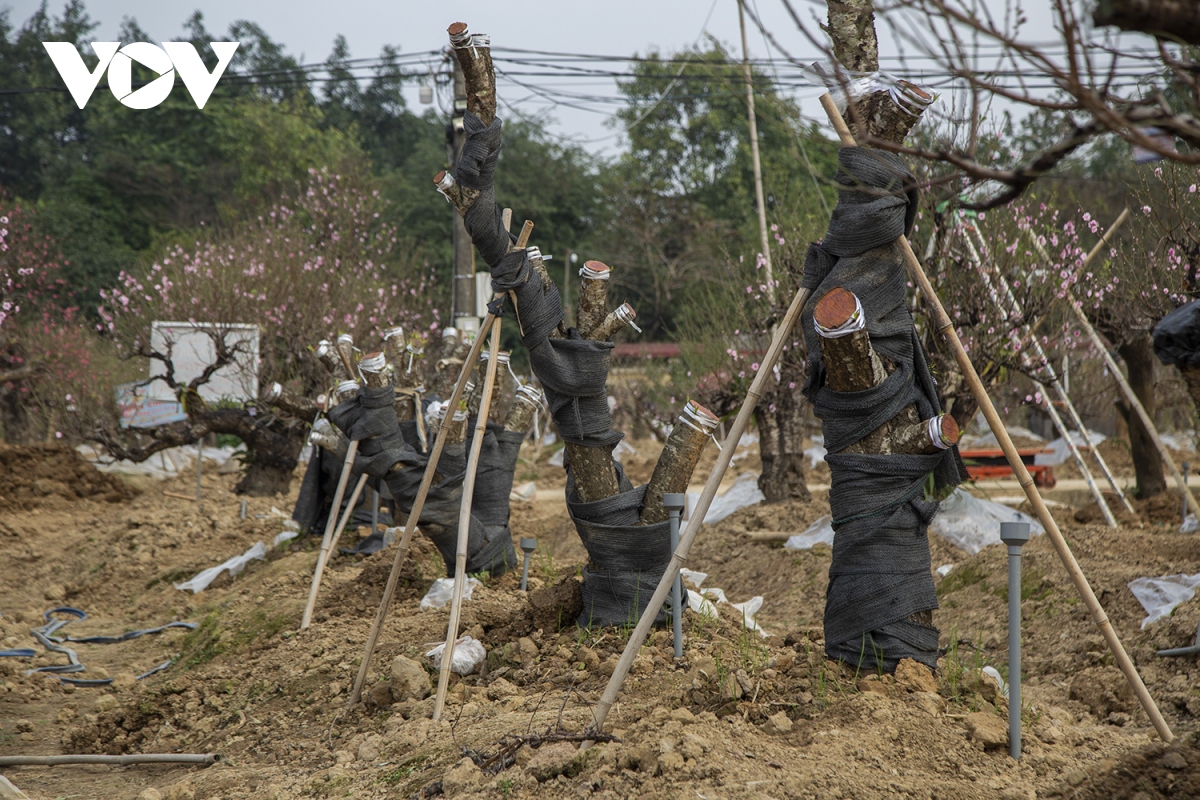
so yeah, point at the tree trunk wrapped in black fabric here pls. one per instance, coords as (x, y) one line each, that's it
(489, 540)
(880, 576)
(626, 559)
(311, 511)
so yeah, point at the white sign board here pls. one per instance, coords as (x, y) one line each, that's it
(191, 349)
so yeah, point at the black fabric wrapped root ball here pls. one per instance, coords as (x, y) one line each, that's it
(371, 417)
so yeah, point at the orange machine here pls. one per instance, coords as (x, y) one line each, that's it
(993, 464)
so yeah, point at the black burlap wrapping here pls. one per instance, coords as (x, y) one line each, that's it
(1177, 336)
(880, 575)
(317, 489)
(489, 540)
(626, 560)
(572, 370)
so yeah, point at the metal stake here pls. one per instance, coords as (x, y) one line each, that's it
(675, 503)
(1014, 534)
(1186, 465)
(243, 512)
(374, 511)
(199, 461)
(528, 545)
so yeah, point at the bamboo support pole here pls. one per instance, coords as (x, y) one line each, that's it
(334, 510)
(439, 444)
(1115, 369)
(1059, 425)
(464, 525)
(117, 761)
(945, 327)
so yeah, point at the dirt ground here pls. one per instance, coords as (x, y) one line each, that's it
(740, 716)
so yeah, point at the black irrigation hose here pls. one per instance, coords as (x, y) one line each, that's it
(45, 636)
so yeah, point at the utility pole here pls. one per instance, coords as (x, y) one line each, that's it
(462, 303)
(758, 186)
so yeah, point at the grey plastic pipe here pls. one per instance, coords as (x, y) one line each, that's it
(675, 503)
(1015, 535)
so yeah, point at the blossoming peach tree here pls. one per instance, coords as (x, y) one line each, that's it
(318, 264)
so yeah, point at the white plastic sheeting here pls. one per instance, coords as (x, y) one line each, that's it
(469, 655)
(988, 440)
(820, 532)
(705, 601)
(234, 565)
(1184, 441)
(442, 592)
(743, 493)
(1190, 524)
(523, 493)
(1160, 596)
(169, 463)
(1061, 452)
(972, 524)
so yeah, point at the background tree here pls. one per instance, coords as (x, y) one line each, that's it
(320, 263)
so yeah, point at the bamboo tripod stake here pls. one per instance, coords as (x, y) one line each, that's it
(347, 465)
(439, 444)
(464, 523)
(1115, 369)
(327, 546)
(946, 328)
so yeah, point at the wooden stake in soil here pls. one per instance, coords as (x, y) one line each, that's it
(464, 525)
(1115, 369)
(334, 510)
(946, 328)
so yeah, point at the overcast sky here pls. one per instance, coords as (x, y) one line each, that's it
(612, 27)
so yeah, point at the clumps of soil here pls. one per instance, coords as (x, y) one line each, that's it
(361, 597)
(1152, 772)
(31, 475)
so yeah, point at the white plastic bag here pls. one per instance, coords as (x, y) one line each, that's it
(1061, 452)
(235, 565)
(442, 592)
(815, 455)
(1160, 596)
(972, 524)
(283, 536)
(556, 460)
(743, 493)
(523, 493)
(469, 655)
(704, 601)
(819, 532)
(1190, 524)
